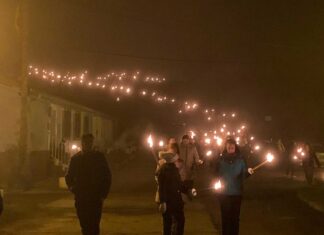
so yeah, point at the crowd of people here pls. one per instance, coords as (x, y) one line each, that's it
(176, 173)
(89, 179)
(299, 154)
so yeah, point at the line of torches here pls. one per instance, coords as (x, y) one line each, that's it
(125, 85)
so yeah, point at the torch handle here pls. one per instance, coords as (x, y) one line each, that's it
(260, 165)
(155, 156)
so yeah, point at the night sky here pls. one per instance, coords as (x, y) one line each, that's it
(259, 57)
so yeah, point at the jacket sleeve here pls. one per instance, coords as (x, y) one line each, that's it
(71, 174)
(196, 155)
(245, 172)
(162, 186)
(107, 177)
(316, 160)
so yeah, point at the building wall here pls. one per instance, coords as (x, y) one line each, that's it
(39, 121)
(10, 105)
(56, 126)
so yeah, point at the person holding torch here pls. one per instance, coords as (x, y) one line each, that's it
(170, 188)
(190, 158)
(231, 171)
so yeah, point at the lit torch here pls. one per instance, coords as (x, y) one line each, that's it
(161, 143)
(257, 147)
(150, 141)
(219, 141)
(269, 159)
(209, 153)
(218, 185)
(207, 141)
(151, 145)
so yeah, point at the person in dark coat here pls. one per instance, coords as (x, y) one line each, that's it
(231, 170)
(170, 188)
(89, 179)
(309, 161)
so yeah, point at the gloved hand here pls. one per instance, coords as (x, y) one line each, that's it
(194, 192)
(251, 171)
(163, 208)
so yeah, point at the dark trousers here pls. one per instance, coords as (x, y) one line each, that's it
(89, 214)
(173, 222)
(230, 210)
(290, 169)
(309, 173)
(188, 186)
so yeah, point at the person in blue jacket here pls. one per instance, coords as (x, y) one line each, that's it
(231, 170)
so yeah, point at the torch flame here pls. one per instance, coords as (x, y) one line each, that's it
(207, 141)
(161, 143)
(74, 147)
(270, 157)
(219, 141)
(150, 141)
(192, 134)
(218, 185)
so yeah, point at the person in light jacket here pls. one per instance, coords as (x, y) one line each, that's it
(190, 159)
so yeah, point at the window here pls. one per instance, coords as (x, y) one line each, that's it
(86, 125)
(77, 125)
(66, 127)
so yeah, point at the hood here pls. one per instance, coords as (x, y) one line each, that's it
(168, 157)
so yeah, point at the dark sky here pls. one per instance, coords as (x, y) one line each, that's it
(262, 57)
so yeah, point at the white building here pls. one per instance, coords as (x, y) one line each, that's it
(55, 127)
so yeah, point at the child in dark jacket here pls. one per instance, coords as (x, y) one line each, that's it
(231, 170)
(170, 188)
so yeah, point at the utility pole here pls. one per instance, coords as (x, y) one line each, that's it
(22, 26)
